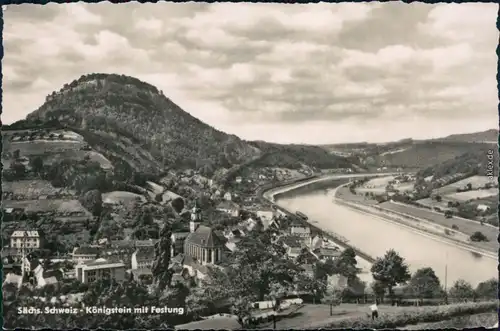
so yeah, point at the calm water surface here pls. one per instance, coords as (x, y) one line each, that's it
(375, 237)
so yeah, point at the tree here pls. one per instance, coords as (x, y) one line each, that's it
(19, 170)
(390, 270)
(36, 164)
(333, 297)
(161, 273)
(461, 291)
(178, 204)
(487, 289)
(425, 284)
(346, 264)
(92, 201)
(439, 198)
(478, 236)
(378, 289)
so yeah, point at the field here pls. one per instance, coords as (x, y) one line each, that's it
(375, 185)
(29, 188)
(414, 315)
(472, 195)
(486, 320)
(357, 316)
(404, 187)
(41, 147)
(475, 181)
(79, 155)
(425, 154)
(122, 197)
(433, 203)
(50, 205)
(466, 226)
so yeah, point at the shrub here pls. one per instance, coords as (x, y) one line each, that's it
(478, 236)
(454, 227)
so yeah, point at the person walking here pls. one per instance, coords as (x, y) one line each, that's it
(374, 310)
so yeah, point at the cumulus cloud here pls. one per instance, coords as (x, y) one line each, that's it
(341, 72)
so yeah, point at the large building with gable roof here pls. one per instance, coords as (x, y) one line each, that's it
(203, 243)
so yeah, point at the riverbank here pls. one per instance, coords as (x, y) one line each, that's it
(422, 226)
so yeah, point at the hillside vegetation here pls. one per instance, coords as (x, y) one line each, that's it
(126, 119)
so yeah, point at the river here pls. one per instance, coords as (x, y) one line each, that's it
(375, 236)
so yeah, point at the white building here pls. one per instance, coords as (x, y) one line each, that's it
(143, 258)
(227, 196)
(100, 269)
(84, 254)
(25, 240)
(229, 207)
(482, 207)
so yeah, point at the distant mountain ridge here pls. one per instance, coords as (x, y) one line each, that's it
(475, 137)
(132, 121)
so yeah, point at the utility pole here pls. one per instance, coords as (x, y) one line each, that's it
(446, 279)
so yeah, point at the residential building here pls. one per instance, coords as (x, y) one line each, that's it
(266, 213)
(227, 196)
(325, 253)
(25, 241)
(300, 231)
(85, 254)
(203, 243)
(229, 207)
(308, 269)
(482, 207)
(46, 277)
(146, 243)
(293, 252)
(143, 258)
(238, 179)
(270, 223)
(100, 269)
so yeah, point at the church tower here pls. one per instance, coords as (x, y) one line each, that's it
(195, 218)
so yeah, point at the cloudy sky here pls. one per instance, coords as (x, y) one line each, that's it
(316, 73)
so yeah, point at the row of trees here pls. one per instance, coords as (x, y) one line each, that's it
(391, 270)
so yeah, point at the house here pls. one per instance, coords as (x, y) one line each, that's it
(317, 241)
(178, 239)
(229, 207)
(227, 196)
(12, 278)
(291, 241)
(99, 269)
(293, 252)
(143, 258)
(265, 213)
(482, 207)
(25, 241)
(84, 254)
(300, 231)
(325, 253)
(308, 269)
(234, 233)
(139, 274)
(46, 277)
(270, 223)
(203, 243)
(250, 224)
(146, 243)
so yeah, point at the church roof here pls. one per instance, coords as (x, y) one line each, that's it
(205, 237)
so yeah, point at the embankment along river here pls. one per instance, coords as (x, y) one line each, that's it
(375, 236)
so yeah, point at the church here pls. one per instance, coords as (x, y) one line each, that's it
(203, 243)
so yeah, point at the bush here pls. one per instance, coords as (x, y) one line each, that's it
(478, 236)
(454, 227)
